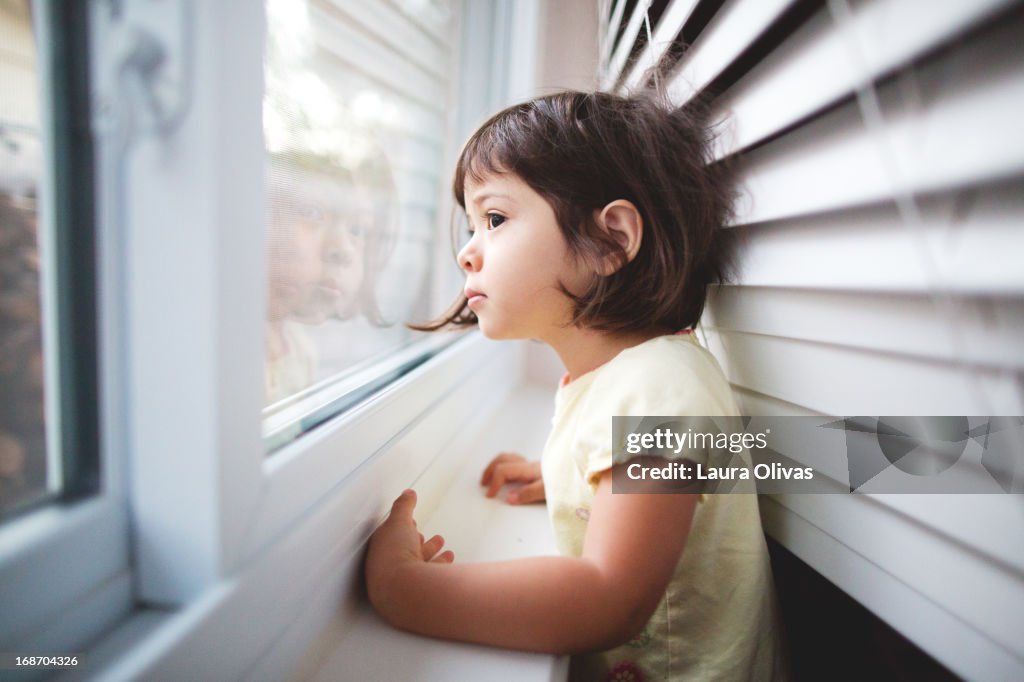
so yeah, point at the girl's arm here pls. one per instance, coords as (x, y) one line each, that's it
(548, 604)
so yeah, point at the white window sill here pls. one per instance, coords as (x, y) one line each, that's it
(295, 610)
(476, 528)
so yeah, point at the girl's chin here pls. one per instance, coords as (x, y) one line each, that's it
(488, 328)
(489, 332)
(498, 333)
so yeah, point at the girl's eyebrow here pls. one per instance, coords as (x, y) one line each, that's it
(480, 198)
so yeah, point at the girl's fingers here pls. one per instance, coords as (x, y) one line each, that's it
(432, 547)
(404, 506)
(501, 474)
(489, 471)
(511, 471)
(501, 458)
(531, 492)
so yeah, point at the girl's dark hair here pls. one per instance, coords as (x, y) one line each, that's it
(581, 151)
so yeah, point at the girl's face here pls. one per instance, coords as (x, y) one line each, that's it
(321, 271)
(336, 269)
(515, 260)
(292, 267)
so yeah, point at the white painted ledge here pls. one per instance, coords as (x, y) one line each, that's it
(476, 528)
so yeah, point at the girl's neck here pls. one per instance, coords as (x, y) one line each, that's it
(584, 350)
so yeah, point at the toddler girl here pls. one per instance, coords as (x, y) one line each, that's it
(596, 225)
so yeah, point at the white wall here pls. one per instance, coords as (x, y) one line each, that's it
(567, 58)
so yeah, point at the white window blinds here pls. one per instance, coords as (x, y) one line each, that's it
(880, 161)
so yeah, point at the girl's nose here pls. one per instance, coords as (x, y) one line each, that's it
(469, 257)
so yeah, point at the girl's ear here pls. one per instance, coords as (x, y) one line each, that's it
(622, 221)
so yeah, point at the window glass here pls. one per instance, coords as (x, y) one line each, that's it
(24, 469)
(354, 117)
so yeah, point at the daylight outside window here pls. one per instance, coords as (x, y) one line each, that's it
(26, 475)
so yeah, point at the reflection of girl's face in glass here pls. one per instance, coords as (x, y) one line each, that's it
(332, 263)
(324, 232)
(294, 261)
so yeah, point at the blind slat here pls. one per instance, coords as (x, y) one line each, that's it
(822, 62)
(433, 18)
(733, 28)
(873, 250)
(839, 380)
(801, 76)
(988, 333)
(670, 24)
(613, 29)
(398, 31)
(919, 552)
(959, 127)
(621, 55)
(827, 165)
(363, 53)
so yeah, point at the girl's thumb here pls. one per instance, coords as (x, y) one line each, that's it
(407, 500)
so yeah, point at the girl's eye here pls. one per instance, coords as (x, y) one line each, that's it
(494, 220)
(312, 213)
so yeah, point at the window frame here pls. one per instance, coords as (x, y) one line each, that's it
(65, 563)
(193, 519)
(205, 424)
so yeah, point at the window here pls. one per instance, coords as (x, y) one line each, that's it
(63, 538)
(48, 450)
(354, 119)
(23, 462)
(163, 279)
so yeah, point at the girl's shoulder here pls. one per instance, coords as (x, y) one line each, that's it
(658, 358)
(665, 375)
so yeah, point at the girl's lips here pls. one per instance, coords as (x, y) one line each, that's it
(328, 290)
(474, 297)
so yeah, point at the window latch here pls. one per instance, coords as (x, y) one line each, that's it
(146, 46)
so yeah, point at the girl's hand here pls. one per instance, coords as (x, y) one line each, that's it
(396, 547)
(509, 467)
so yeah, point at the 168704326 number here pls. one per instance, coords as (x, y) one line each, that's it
(45, 661)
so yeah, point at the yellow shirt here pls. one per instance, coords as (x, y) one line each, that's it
(294, 369)
(718, 618)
